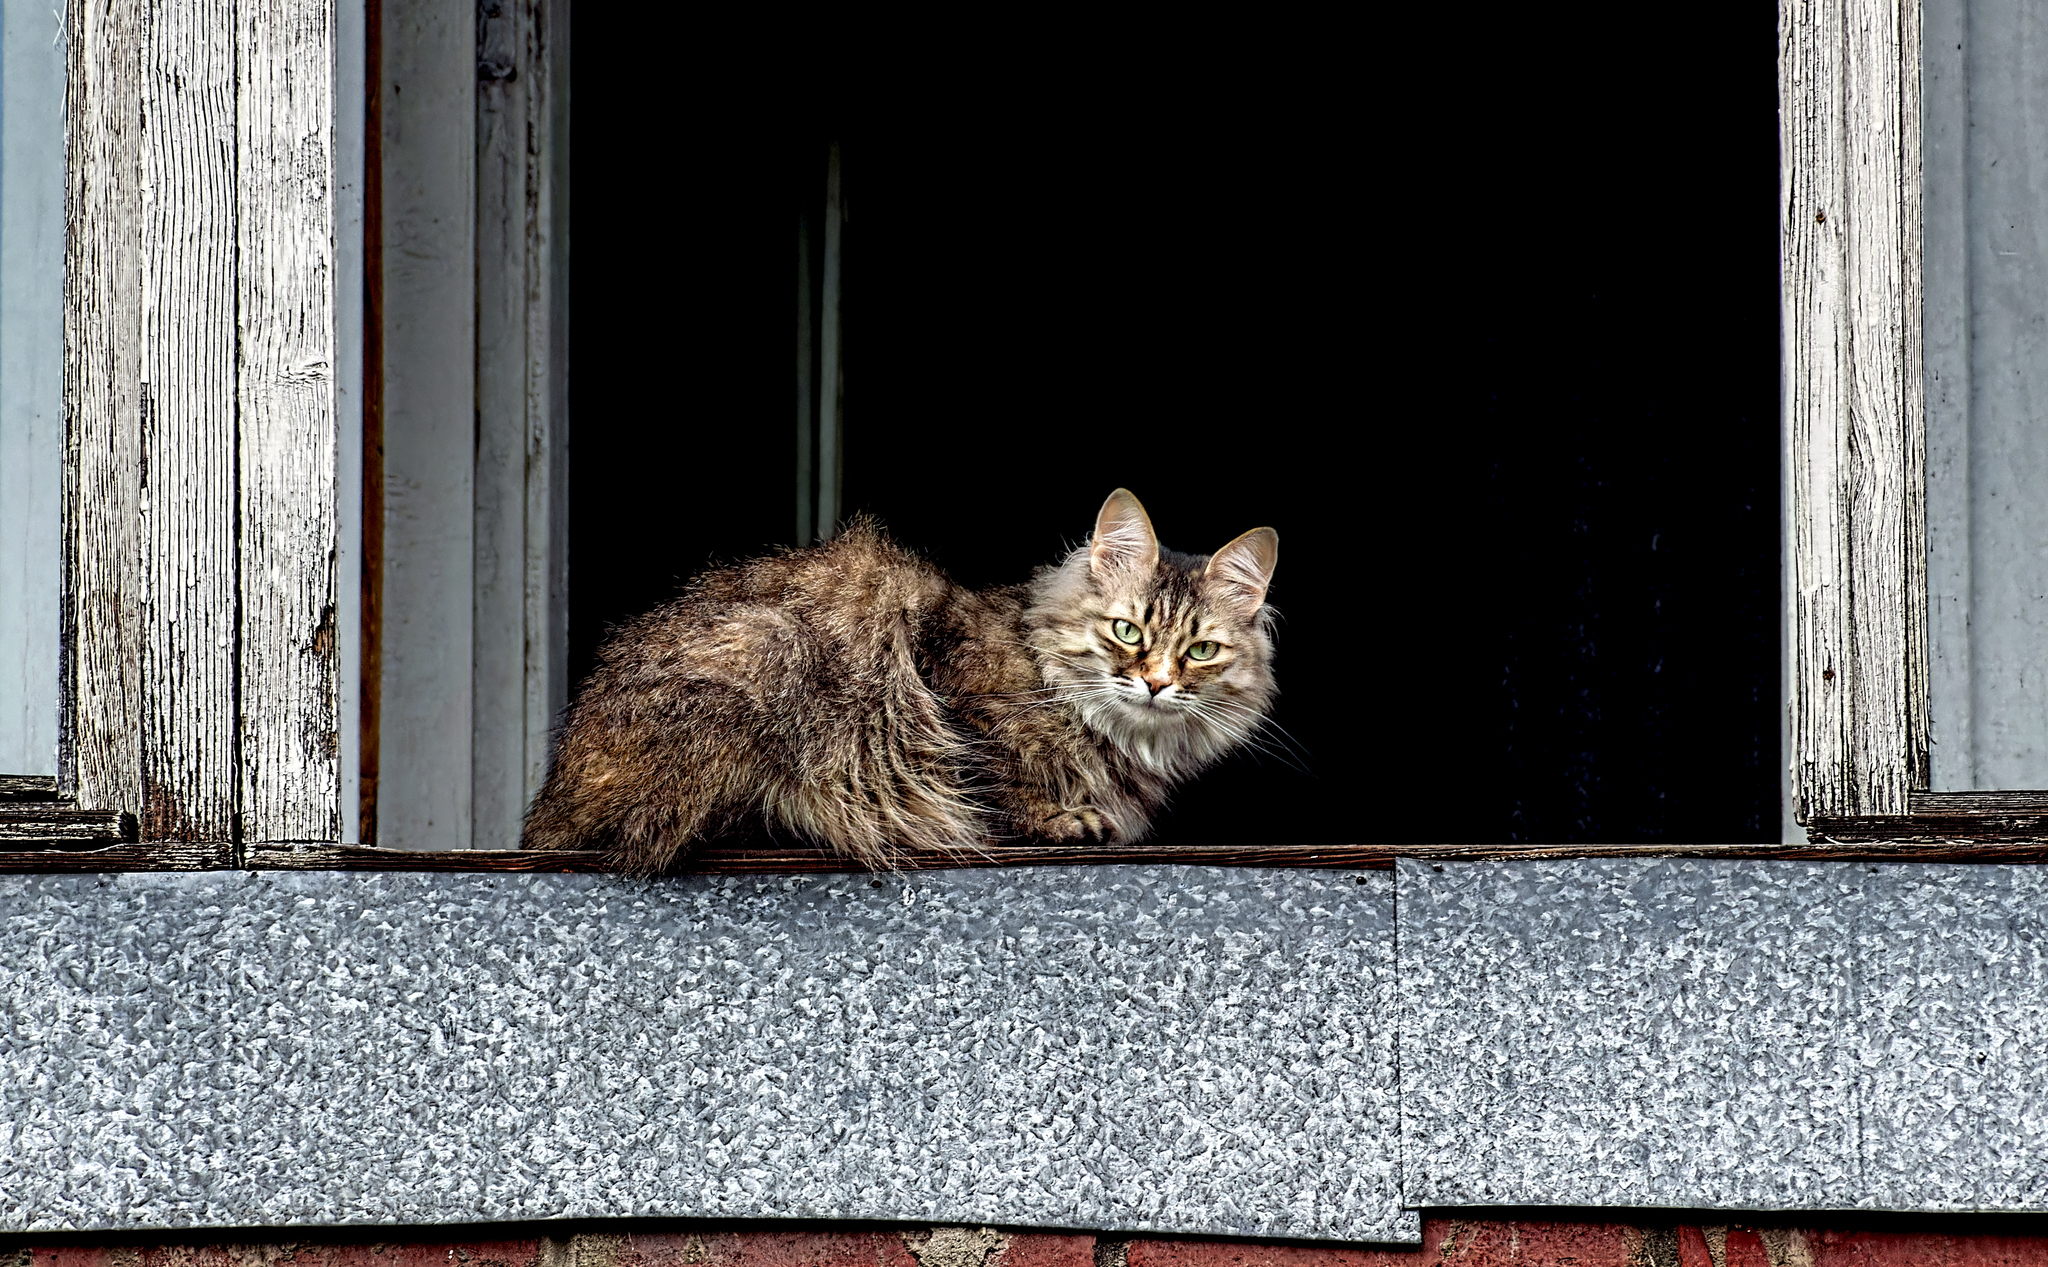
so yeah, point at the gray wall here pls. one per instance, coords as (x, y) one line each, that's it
(1986, 190)
(31, 378)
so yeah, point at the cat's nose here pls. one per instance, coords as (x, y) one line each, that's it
(1156, 683)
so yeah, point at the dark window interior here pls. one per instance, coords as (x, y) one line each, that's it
(1506, 383)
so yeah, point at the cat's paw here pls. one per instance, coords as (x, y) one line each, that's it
(1083, 822)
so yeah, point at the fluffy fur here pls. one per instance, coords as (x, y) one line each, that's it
(853, 695)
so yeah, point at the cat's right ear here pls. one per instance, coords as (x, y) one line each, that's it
(1124, 541)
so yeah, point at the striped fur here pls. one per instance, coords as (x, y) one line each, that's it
(852, 695)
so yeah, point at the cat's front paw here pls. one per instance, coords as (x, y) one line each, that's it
(1083, 822)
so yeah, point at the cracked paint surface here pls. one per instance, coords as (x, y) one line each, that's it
(1176, 1049)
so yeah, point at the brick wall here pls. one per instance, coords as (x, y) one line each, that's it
(1473, 1243)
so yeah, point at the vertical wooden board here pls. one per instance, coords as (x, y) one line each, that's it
(289, 723)
(1881, 95)
(520, 612)
(1919, 725)
(497, 748)
(1809, 113)
(547, 386)
(100, 728)
(185, 501)
(831, 372)
(427, 131)
(1853, 395)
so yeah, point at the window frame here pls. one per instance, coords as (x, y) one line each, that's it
(251, 793)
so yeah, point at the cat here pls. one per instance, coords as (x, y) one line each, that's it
(851, 694)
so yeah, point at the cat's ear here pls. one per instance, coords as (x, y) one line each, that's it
(1239, 573)
(1124, 541)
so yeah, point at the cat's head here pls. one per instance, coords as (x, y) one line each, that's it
(1170, 655)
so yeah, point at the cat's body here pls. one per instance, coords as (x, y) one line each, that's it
(851, 694)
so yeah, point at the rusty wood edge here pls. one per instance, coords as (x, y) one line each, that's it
(182, 856)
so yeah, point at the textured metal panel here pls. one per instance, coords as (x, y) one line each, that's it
(1171, 1049)
(1732, 1035)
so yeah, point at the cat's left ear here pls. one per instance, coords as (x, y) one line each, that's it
(1239, 573)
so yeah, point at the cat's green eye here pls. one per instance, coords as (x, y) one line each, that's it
(1126, 632)
(1204, 650)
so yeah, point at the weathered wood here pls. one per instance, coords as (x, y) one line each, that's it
(1930, 829)
(187, 423)
(831, 346)
(369, 687)
(150, 405)
(428, 122)
(1850, 241)
(519, 647)
(100, 729)
(797, 860)
(27, 787)
(290, 739)
(161, 855)
(1949, 804)
(61, 827)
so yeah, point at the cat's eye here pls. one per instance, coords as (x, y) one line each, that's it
(1126, 632)
(1204, 650)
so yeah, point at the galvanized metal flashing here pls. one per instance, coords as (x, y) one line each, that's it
(1171, 1049)
(1729, 1035)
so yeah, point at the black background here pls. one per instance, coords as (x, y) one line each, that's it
(1494, 347)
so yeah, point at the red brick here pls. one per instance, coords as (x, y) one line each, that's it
(766, 1249)
(1039, 1249)
(1746, 1248)
(1895, 1249)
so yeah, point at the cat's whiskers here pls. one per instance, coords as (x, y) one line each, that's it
(1260, 721)
(1245, 736)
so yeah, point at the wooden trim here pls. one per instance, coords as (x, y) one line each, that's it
(28, 787)
(151, 462)
(518, 643)
(1850, 233)
(371, 670)
(287, 710)
(1953, 804)
(156, 855)
(180, 856)
(61, 826)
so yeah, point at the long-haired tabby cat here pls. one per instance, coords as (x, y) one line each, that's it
(852, 695)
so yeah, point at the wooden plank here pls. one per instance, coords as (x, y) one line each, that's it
(369, 686)
(28, 787)
(519, 650)
(290, 740)
(1960, 804)
(831, 343)
(186, 405)
(1850, 237)
(428, 132)
(1903, 846)
(20, 827)
(162, 855)
(497, 659)
(99, 724)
